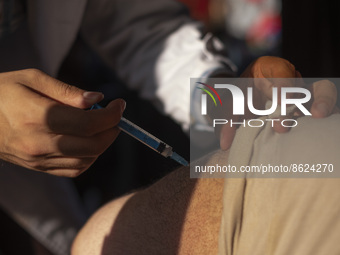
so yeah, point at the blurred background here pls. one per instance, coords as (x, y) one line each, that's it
(248, 28)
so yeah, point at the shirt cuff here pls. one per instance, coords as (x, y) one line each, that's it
(186, 56)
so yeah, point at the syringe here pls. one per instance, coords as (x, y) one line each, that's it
(148, 139)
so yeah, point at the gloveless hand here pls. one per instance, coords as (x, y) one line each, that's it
(324, 94)
(44, 125)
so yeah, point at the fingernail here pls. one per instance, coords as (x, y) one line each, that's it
(93, 97)
(123, 105)
(322, 108)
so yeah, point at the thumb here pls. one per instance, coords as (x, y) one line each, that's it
(227, 135)
(58, 90)
(274, 67)
(325, 96)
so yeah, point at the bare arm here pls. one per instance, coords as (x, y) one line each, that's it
(176, 215)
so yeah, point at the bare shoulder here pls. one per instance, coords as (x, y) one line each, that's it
(176, 214)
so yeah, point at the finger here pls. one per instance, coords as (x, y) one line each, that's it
(72, 146)
(62, 166)
(274, 67)
(227, 135)
(72, 121)
(40, 146)
(59, 166)
(298, 74)
(57, 90)
(325, 96)
(65, 172)
(274, 72)
(279, 128)
(65, 145)
(270, 67)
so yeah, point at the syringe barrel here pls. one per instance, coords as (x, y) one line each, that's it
(145, 137)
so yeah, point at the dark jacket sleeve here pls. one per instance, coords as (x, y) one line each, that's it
(129, 35)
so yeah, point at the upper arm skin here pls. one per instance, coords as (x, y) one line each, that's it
(176, 215)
